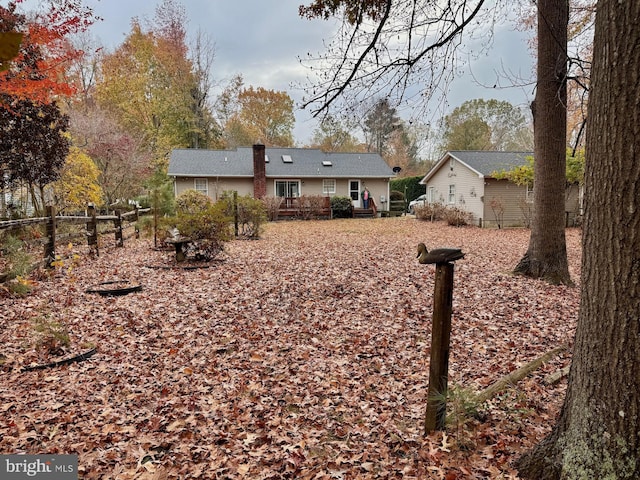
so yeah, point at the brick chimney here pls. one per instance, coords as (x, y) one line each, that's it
(259, 172)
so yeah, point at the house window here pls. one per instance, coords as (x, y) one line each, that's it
(529, 196)
(452, 194)
(431, 194)
(201, 185)
(287, 188)
(328, 186)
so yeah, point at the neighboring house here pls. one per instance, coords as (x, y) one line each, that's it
(281, 172)
(16, 202)
(465, 179)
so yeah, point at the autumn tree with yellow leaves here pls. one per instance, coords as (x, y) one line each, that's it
(78, 183)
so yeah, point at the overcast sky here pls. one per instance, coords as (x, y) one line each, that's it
(262, 39)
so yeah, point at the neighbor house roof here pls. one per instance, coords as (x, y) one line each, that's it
(281, 163)
(482, 162)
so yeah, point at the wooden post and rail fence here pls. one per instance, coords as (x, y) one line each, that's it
(91, 221)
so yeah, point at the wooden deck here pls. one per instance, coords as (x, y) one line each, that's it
(292, 208)
(305, 208)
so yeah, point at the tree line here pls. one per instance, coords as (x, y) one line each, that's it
(81, 123)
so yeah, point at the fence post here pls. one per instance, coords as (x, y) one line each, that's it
(92, 230)
(118, 225)
(155, 226)
(50, 246)
(235, 211)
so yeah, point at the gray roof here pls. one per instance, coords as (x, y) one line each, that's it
(483, 162)
(487, 163)
(304, 163)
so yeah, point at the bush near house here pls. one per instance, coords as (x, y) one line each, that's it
(432, 212)
(310, 207)
(429, 211)
(206, 223)
(272, 205)
(457, 217)
(251, 214)
(191, 202)
(341, 207)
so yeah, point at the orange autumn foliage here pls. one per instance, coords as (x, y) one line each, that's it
(37, 73)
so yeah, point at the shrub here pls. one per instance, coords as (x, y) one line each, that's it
(457, 217)
(192, 201)
(526, 208)
(252, 214)
(341, 207)
(144, 225)
(497, 207)
(310, 206)
(430, 211)
(249, 213)
(396, 195)
(52, 337)
(208, 224)
(272, 205)
(15, 256)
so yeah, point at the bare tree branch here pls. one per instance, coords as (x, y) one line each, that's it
(409, 46)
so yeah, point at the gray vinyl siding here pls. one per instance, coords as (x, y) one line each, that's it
(472, 172)
(511, 196)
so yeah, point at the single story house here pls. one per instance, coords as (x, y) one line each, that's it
(282, 172)
(466, 179)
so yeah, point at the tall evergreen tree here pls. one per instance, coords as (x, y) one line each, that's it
(379, 124)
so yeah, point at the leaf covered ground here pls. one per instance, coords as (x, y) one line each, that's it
(302, 355)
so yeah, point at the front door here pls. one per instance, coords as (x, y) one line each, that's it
(354, 192)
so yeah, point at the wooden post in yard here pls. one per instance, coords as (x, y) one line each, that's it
(435, 416)
(118, 226)
(50, 246)
(92, 230)
(440, 334)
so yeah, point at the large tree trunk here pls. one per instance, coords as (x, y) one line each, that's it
(547, 254)
(597, 433)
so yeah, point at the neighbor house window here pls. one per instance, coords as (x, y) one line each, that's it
(201, 185)
(431, 194)
(328, 186)
(287, 188)
(452, 194)
(529, 196)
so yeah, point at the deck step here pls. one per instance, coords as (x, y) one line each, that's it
(363, 213)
